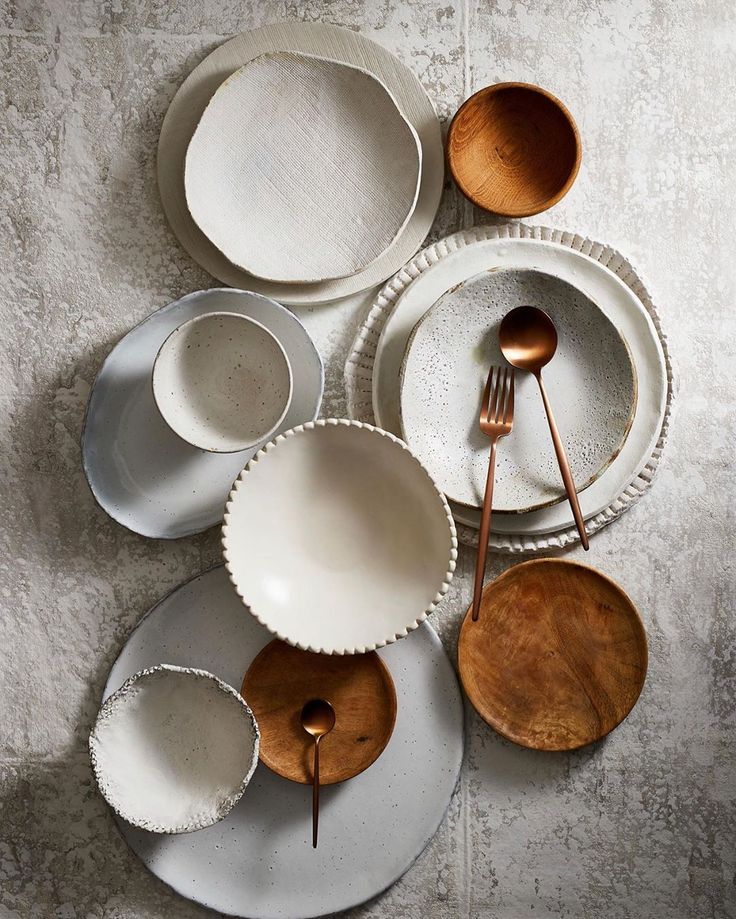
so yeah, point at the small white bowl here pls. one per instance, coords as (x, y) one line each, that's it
(337, 539)
(173, 749)
(222, 382)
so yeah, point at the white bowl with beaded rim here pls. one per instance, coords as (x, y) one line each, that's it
(222, 382)
(173, 749)
(336, 538)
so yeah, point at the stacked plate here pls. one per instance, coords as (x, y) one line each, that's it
(304, 196)
(432, 334)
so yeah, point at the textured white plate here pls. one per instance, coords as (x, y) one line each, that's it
(325, 41)
(372, 370)
(336, 538)
(152, 749)
(140, 472)
(302, 169)
(259, 862)
(590, 381)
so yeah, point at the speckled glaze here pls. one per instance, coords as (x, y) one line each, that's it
(307, 38)
(337, 539)
(372, 827)
(141, 473)
(591, 383)
(173, 749)
(304, 191)
(222, 382)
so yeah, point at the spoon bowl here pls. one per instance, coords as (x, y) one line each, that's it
(528, 338)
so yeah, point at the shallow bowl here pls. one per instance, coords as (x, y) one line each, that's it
(222, 382)
(173, 749)
(337, 539)
(513, 149)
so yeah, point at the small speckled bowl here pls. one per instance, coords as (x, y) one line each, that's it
(222, 382)
(174, 749)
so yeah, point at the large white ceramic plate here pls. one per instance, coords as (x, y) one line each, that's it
(590, 381)
(140, 472)
(292, 149)
(325, 41)
(373, 367)
(259, 861)
(337, 539)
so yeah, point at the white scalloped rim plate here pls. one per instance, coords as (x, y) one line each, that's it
(337, 539)
(373, 367)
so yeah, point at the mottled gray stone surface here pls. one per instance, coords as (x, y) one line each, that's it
(640, 826)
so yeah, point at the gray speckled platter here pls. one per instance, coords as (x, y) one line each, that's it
(591, 384)
(258, 861)
(140, 472)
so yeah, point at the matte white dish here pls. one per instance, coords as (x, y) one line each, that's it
(294, 148)
(373, 367)
(308, 38)
(139, 471)
(336, 538)
(173, 749)
(222, 382)
(373, 827)
(591, 384)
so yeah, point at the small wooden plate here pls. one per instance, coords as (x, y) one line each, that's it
(359, 686)
(557, 658)
(513, 149)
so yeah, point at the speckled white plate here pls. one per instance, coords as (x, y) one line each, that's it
(327, 41)
(259, 861)
(373, 367)
(140, 472)
(302, 169)
(591, 383)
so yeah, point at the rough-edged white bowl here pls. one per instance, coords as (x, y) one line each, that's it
(222, 382)
(174, 749)
(337, 539)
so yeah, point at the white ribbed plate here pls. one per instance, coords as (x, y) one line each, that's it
(599, 271)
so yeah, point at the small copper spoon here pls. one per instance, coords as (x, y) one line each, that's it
(318, 719)
(528, 340)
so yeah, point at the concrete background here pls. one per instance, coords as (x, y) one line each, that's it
(640, 826)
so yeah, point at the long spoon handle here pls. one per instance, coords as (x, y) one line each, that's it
(315, 794)
(485, 526)
(564, 466)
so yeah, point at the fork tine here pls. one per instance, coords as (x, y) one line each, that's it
(485, 404)
(502, 375)
(493, 408)
(508, 416)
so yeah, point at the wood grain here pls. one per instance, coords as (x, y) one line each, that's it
(557, 658)
(282, 679)
(513, 149)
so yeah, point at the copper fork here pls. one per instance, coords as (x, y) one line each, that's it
(496, 419)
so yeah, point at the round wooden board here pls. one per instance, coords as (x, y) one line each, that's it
(359, 686)
(557, 658)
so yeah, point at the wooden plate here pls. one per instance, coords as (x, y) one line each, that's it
(359, 686)
(557, 658)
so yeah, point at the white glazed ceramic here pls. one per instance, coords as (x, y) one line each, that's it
(327, 41)
(590, 382)
(373, 367)
(173, 749)
(222, 382)
(259, 862)
(294, 148)
(140, 472)
(336, 538)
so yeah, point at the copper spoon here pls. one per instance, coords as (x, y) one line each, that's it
(528, 340)
(318, 719)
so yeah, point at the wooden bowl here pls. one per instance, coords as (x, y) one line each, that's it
(513, 149)
(557, 657)
(359, 687)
